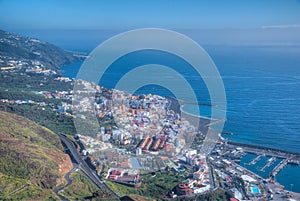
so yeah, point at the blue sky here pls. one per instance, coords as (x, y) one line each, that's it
(121, 14)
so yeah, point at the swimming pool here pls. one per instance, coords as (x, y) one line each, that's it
(255, 190)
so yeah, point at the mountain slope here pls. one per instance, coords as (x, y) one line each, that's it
(32, 162)
(20, 47)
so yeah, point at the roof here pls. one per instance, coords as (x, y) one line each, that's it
(248, 178)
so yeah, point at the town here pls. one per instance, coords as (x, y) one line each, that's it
(140, 134)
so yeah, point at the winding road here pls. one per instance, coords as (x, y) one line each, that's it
(69, 182)
(85, 169)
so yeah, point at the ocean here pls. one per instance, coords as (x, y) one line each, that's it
(261, 83)
(262, 88)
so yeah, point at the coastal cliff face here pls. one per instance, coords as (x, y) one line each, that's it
(19, 47)
(32, 162)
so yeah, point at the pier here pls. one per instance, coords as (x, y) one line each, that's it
(268, 164)
(294, 162)
(279, 167)
(255, 160)
(282, 164)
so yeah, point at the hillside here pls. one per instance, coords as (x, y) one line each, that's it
(32, 162)
(19, 47)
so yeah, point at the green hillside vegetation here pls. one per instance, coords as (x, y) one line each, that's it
(12, 188)
(152, 188)
(21, 47)
(31, 159)
(22, 82)
(82, 189)
(52, 120)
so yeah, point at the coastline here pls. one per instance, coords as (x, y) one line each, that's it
(198, 116)
(197, 121)
(194, 119)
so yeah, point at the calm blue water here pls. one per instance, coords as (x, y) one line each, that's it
(261, 84)
(258, 166)
(289, 177)
(262, 88)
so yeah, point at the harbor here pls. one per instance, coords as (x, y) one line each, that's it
(269, 163)
(263, 162)
(255, 160)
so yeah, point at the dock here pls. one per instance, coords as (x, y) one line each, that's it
(279, 167)
(268, 164)
(255, 160)
(294, 162)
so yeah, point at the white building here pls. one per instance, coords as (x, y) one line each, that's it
(198, 190)
(138, 151)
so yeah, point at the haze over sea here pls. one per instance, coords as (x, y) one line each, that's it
(261, 81)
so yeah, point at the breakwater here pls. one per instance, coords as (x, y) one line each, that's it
(269, 151)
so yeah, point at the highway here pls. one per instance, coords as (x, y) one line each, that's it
(88, 172)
